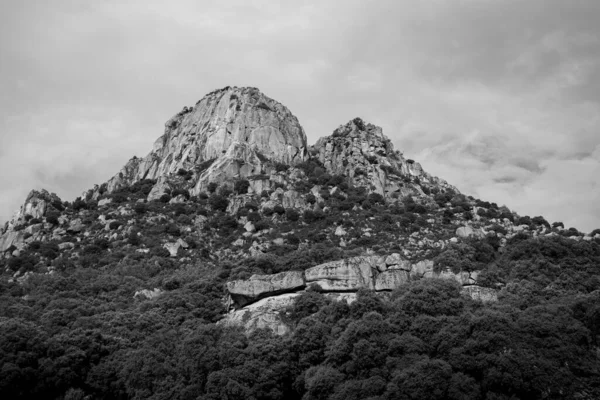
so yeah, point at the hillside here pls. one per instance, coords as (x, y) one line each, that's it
(235, 261)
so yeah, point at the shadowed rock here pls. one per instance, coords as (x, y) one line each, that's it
(258, 286)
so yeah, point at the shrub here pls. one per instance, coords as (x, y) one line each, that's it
(261, 225)
(241, 186)
(212, 187)
(165, 198)
(292, 215)
(279, 209)
(218, 202)
(140, 208)
(253, 216)
(52, 217)
(312, 216)
(280, 167)
(172, 229)
(180, 192)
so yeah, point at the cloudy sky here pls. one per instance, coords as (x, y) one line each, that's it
(499, 97)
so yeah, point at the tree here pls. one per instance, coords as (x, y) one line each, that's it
(218, 202)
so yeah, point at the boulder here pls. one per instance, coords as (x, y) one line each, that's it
(348, 297)
(480, 293)
(75, 226)
(244, 292)
(104, 202)
(293, 199)
(265, 313)
(422, 269)
(66, 245)
(464, 232)
(391, 279)
(343, 275)
(340, 231)
(394, 259)
(173, 248)
(147, 294)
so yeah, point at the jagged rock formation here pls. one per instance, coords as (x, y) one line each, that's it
(259, 303)
(36, 204)
(362, 152)
(234, 130)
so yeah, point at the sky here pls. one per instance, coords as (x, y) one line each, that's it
(501, 98)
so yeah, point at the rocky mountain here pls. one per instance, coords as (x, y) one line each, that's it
(236, 261)
(229, 133)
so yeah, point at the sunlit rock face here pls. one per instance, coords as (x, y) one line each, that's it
(239, 128)
(265, 313)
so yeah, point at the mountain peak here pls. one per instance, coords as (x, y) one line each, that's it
(362, 152)
(215, 129)
(356, 127)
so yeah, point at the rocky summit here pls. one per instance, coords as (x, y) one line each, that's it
(229, 133)
(235, 261)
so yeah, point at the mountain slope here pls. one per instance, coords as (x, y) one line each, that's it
(220, 267)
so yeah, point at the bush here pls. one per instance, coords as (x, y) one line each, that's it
(140, 208)
(212, 187)
(181, 192)
(261, 225)
(292, 215)
(310, 216)
(165, 198)
(218, 202)
(241, 186)
(52, 217)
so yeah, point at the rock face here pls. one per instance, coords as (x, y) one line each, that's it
(391, 279)
(237, 128)
(343, 275)
(265, 313)
(258, 286)
(259, 301)
(362, 152)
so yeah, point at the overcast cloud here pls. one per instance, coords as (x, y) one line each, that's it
(500, 98)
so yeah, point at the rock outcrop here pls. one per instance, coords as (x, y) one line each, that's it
(35, 207)
(363, 153)
(264, 313)
(230, 133)
(343, 276)
(258, 286)
(258, 301)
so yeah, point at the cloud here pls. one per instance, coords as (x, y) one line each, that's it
(500, 98)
